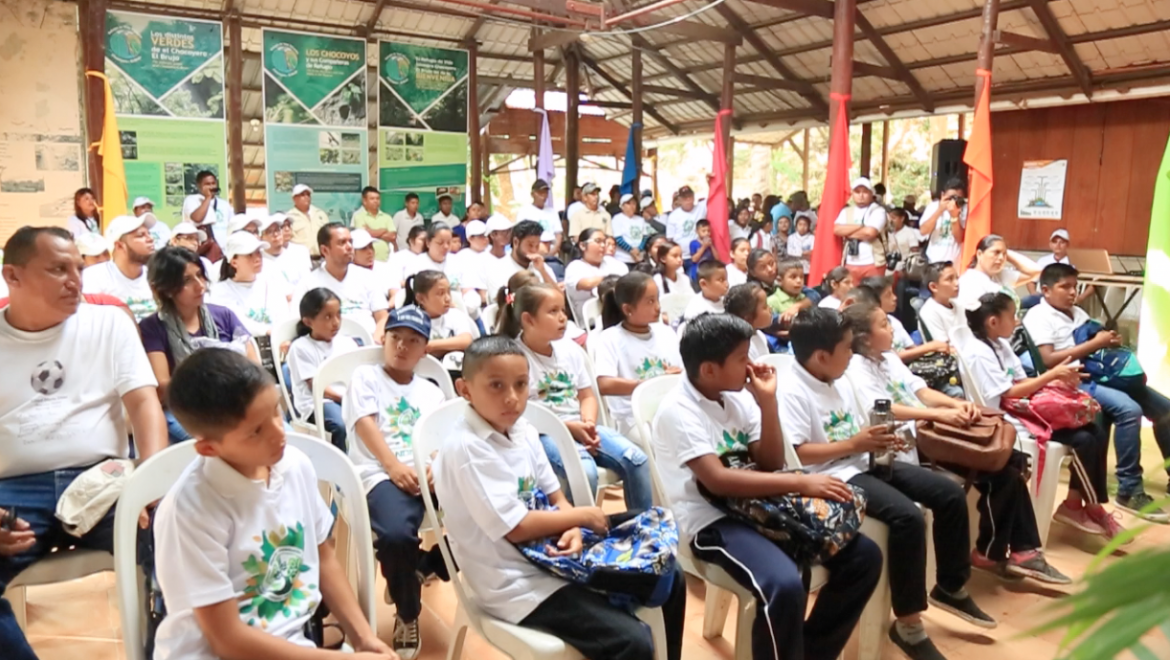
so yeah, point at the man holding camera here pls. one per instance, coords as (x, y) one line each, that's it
(862, 225)
(944, 222)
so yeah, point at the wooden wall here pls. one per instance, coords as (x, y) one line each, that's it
(516, 131)
(1113, 151)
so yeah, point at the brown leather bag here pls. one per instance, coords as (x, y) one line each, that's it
(985, 446)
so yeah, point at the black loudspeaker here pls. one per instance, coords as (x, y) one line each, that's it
(946, 163)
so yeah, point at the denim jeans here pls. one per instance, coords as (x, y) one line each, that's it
(34, 497)
(334, 424)
(175, 431)
(616, 453)
(1125, 410)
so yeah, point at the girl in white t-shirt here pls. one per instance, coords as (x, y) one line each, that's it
(452, 330)
(880, 291)
(524, 278)
(749, 302)
(800, 243)
(584, 273)
(635, 346)
(317, 341)
(399, 263)
(737, 270)
(997, 373)
(436, 256)
(840, 283)
(259, 299)
(1008, 540)
(560, 379)
(670, 277)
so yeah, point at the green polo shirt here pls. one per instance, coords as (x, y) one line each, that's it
(780, 301)
(363, 218)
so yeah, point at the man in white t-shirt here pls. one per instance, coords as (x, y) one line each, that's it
(545, 215)
(206, 209)
(363, 300)
(159, 231)
(1058, 242)
(124, 275)
(445, 216)
(944, 223)
(861, 225)
(525, 254)
(407, 218)
(680, 224)
(70, 369)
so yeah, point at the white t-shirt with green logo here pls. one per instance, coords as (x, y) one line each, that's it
(259, 305)
(106, 278)
(814, 411)
(396, 408)
(623, 354)
(223, 537)
(360, 294)
(557, 380)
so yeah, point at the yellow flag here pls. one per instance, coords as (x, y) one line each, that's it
(109, 147)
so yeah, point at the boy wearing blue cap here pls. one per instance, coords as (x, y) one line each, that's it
(381, 406)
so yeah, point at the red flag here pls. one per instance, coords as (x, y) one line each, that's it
(717, 212)
(827, 247)
(977, 156)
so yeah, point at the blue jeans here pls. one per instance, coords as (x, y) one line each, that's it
(395, 518)
(1125, 410)
(334, 424)
(616, 453)
(175, 431)
(34, 497)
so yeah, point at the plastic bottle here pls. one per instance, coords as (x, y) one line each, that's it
(881, 462)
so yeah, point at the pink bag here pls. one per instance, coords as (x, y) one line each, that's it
(1054, 407)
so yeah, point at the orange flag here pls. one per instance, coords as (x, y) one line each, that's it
(977, 156)
(109, 147)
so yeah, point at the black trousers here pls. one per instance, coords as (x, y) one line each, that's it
(1007, 521)
(893, 502)
(587, 621)
(395, 518)
(1090, 445)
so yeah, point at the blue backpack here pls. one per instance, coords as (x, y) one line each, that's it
(1117, 368)
(634, 564)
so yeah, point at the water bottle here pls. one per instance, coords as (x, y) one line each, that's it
(881, 462)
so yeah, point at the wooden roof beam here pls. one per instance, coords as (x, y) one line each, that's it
(373, 22)
(757, 43)
(1073, 61)
(866, 69)
(672, 91)
(822, 8)
(895, 62)
(625, 91)
(552, 39)
(1024, 42)
(769, 83)
(648, 48)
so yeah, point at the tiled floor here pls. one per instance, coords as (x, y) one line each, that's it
(79, 620)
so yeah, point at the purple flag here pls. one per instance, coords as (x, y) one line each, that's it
(545, 168)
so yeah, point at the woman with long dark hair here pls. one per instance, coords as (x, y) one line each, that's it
(85, 219)
(995, 269)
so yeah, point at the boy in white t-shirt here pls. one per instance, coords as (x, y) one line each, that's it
(708, 415)
(244, 555)
(712, 288)
(381, 406)
(1051, 325)
(941, 312)
(488, 470)
(823, 419)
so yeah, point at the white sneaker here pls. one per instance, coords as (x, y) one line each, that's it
(407, 639)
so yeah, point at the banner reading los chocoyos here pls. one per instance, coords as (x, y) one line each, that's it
(422, 125)
(167, 78)
(315, 126)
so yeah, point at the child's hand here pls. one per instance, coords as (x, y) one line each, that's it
(430, 478)
(388, 654)
(670, 371)
(873, 438)
(570, 544)
(1066, 371)
(762, 383)
(636, 254)
(584, 434)
(825, 487)
(373, 648)
(537, 260)
(788, 315)
(404, 476)
(952, 417)
(938, 346)
(593, 518)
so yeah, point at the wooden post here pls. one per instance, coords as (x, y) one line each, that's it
(866, 148)
(726, 102)
(538, 75)
(235, 114)
(886, 152)
(986, 43)
(636, 115)
(804, 162)
(92, 18)
(653, 154)
(485, 149)
(572, 120)
(841, 81)
(962, 126)
(476, 193)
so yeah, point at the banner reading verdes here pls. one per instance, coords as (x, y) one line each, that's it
(422, 125)
(315, 125)
(167, 78)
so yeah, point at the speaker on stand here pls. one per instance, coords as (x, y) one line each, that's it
(946, 163)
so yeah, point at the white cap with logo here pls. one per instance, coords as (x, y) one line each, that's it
(122, 225)
(90, 244)
(241, 243)
(476, 228)
(498, 223)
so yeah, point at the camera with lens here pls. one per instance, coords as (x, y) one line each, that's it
(853, 247)
(959, 200)
(215, 190)
(892, 259)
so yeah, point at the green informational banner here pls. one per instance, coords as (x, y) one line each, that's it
(422, 125)
(315, 126)
(167, 79)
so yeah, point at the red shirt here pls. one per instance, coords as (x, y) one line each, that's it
(91, 298)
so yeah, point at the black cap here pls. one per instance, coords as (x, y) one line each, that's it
(540, 184)
(685, 190)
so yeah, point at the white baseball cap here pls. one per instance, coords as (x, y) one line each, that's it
(269, 221)
(184, 229)
(628, 197)
(91, 244)
(475, 228)
(141, 201)
(239, 221)
(301, 188)
(122, 225)
(646, 203)
(547, 237)
(1063, 233)
(862, 182)
(241, 243)
(361, 239)
(498, 223)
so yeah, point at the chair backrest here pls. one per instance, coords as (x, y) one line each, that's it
(431, 368)
(645, 401)
(781, 362)
(591, 315)
(961, 337)
(675, 303)
(338, 369)
(280, 333)
(603, 417)
(547, 423)
(149, 482)
(351, 328)
(488, 316)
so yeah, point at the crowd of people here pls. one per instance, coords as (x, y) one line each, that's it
(175, 325)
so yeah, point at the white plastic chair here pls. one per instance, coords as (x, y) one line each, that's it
(340, 368)
(155, 477)
(513, 640)
(59, 566)
(287, 331)
(591, 315)
(781, 362)
(605, 478)
(488, 316)
(675, 303)
(721, 586)
(1043, 492)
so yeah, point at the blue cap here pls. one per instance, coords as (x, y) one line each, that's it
(410, 317)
